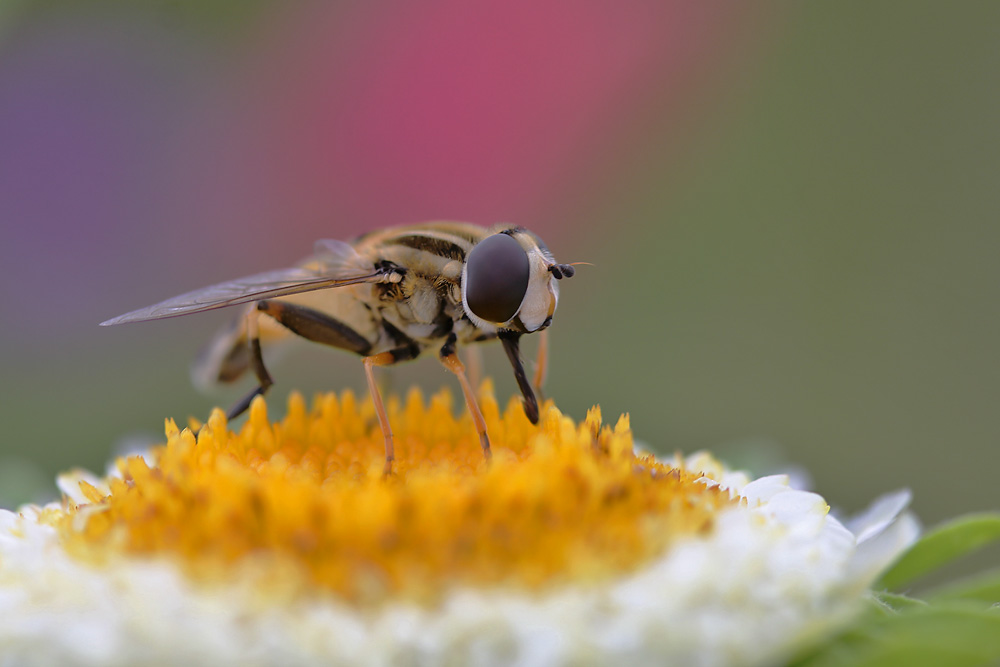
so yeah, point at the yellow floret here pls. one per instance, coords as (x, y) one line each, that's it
(304, 500)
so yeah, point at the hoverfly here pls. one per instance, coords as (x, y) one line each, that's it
(387, 296)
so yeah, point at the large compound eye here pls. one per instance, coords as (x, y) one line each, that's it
(496, 278)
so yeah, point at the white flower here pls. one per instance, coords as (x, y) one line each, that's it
(768, 573)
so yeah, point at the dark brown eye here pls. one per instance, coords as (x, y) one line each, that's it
(496, 278)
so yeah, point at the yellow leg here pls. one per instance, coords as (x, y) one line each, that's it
(382, 359)
(453, 364)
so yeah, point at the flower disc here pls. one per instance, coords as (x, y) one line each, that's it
(283, 543)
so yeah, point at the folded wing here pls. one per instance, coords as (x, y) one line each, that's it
(335, 265)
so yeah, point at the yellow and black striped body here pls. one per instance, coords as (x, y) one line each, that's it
(419, 311)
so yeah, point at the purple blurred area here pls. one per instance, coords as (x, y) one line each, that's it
(138, 159)
(88, 109)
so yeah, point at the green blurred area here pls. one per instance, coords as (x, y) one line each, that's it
(213, 19)
(814, 282)
(825, 274)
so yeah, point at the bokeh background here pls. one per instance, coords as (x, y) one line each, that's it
(792, 212)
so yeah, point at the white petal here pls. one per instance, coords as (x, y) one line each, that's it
(769, 575)
(763, 489)
(879, 552)
(69, 484)
(879, 515)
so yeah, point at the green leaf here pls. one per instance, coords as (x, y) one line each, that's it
(933, 635)
(984, 587)
(890, 603)
(942, 545)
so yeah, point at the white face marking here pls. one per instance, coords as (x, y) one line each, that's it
(542, 295)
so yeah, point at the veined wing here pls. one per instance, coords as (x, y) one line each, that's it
(267, 285)
(338, 257)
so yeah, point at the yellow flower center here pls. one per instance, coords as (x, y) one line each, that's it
(304, 500)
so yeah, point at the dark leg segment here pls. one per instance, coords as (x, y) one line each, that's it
(315, 326)
(306, 322)
(257, 364)
(321, 328)
(512, 348)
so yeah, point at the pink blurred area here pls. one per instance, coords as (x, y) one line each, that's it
(132, 149)
(494, 111)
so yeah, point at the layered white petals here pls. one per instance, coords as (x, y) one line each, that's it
(771, 574)
(883, 532)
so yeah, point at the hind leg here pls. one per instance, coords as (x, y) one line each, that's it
(257, 364)
(306, 322)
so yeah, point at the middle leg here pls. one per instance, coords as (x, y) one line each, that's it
(451, 361)
(386, 359)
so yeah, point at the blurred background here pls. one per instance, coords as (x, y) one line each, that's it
(791, 209)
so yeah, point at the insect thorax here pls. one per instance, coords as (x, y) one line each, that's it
(423, 308)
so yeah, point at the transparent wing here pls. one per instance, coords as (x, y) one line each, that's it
(339, 257)
(267, 285)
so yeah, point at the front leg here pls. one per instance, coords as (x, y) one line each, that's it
(511, 346)
(451, 361)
